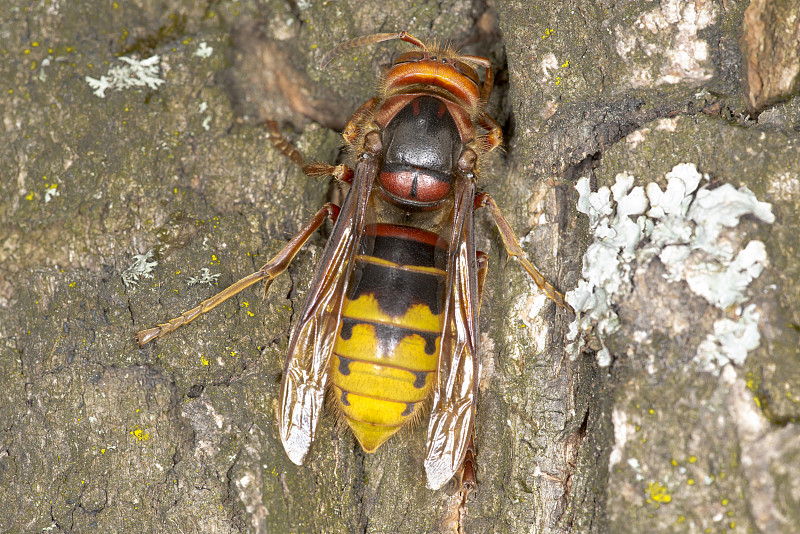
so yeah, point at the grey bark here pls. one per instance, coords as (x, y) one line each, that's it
(98, 435)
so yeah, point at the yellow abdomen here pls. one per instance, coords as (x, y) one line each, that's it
(386, 351)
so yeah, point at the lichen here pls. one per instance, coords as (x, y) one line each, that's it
(205, 278)
(683, 228)
(135, 73)
(140, 268)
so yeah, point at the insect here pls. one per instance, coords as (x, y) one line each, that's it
(389, 328)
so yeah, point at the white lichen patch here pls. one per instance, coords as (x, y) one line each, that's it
(51, 192)
(549, 62)
(667, 39)
(730, 342)
(134, 73)
(684, 227)
(205, 278)
(140, 268)
(203, 50)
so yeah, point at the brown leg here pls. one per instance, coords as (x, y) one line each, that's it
(353, 127)
(342, 173)
(515, 251)
(468, 470)
(493, 138)
(270, 270)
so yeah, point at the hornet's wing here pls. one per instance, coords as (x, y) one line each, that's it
(453, 411)
(306, 370)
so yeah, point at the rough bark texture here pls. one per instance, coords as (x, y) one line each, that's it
(98, 435)
(770, 42)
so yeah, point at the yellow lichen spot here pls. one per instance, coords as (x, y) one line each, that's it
(757, 401)
(725, 502)
(313, 47)
(102, 451)
(674, 462)
(251, 314)
(681, 519)
(565, 65)
(29, 196)
(138, 410)
(72, 284)
(203, 360)
(651, 411)
(114, 5)
(26, 51)
(214, 257)
(657, 493)
(140, 434)
(692, 459)
(33, 65)
(234, 353)
(690, 482)
(11, 91)
(732, 524)
(547, 33)
(175, 190)
(245, 304)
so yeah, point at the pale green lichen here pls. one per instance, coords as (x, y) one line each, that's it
(140, 268)
(135, 73)
(203, 50)
(683, 227)
(205, 278)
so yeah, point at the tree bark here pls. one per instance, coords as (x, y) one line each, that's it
(168, 157)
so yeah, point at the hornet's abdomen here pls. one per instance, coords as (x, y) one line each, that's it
(386, 352)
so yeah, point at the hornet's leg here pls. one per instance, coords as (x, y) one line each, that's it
(342, 173)
(515, 251)
(494, 136)
(270, 270)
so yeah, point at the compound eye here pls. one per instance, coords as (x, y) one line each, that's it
(409, 57)
(467, 71)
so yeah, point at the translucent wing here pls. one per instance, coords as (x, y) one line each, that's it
(305, 372)
(453, 411)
